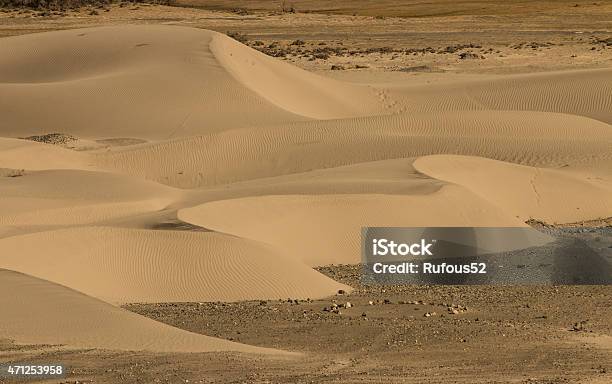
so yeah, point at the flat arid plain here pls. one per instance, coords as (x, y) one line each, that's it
(183, 187)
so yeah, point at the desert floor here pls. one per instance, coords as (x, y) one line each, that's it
(181, 206)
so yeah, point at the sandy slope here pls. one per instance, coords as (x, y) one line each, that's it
(97, 83)
(394, 177)
(68, 197)
(37, 311)
(527, 192)
(584, 93)
(532, 138)
(293, 89)
(21, 154)
(282, 168)
(127, 265)
(325, 229)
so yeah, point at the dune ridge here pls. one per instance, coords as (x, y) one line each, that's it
(293, 89)
(530, 138)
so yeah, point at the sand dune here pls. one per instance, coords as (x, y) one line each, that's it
(23, 154)
(68, 197)
(105, 74)
(531, 138)
(325, 229)
(84, 185)
(37, 311)
(36, 212)
(583, 93)
(291, 88)
(202, 77)
(526, 192)
(121, 265)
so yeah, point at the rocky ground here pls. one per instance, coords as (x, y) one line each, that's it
(399, 334)
(463, 334)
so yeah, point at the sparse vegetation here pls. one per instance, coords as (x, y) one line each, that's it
(52, 138)
(72, 4)
(470, 56)
(383, 9)
(9, 172)
(241, 37)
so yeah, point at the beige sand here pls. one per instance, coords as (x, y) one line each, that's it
(69, 197)
(326, 229)
(97, 83)
(121, 265)
(531, 138)
(526, 192)
(37, 311)
(278, 166)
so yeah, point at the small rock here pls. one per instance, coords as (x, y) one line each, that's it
(579, 326)
(469, 56)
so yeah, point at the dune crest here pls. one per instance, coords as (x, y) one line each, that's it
(292, 88)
